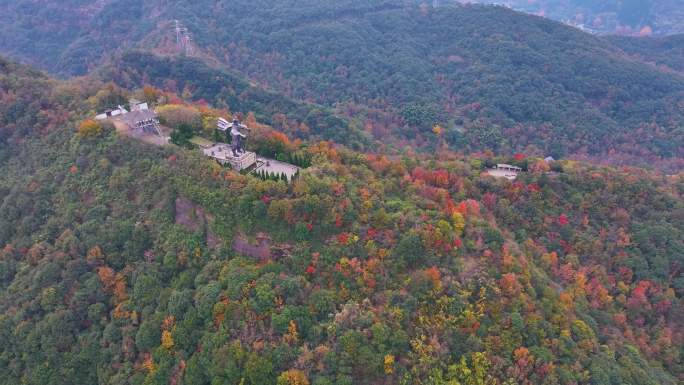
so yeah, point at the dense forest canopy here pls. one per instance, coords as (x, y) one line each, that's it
(490, 78)
(125, 263)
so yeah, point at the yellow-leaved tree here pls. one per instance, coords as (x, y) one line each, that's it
(292, 336)
(458, 223)
(167, 340)
(89, 128)
(389, 364)
(293, 377)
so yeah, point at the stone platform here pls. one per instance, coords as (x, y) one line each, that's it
(223, 154)
(276, 167)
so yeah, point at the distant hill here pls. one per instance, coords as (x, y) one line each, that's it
(27, 105)
(646, 17)
(72, 36)
(490, 77)
(664, 51)
(496, 78)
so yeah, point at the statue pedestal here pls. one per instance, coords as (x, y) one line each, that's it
(242, 161)
(224, 155)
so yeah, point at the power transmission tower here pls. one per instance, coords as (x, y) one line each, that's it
(183, 38)
(178, 30)
(187, 44)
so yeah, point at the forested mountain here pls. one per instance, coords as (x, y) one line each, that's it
(393, 257)
(666, 52)
(493, 78)
(125, 263)
(490, 77)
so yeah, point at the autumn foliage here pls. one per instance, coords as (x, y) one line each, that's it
(89, 128)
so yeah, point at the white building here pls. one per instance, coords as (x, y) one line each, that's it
(111, 113)
(503, 170)
(137, 105)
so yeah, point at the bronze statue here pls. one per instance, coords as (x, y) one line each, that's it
(236, 135)
(237, 138)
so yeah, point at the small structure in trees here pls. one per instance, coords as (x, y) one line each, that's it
(137, 105)
(503, 170)
(120, 110)
(140, 121)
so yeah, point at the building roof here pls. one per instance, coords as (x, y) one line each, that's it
(139, 107)
(508, 166)
(112, 113)
(497, 173)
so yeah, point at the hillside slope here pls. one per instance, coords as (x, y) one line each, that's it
(492, 78)
(72, 36)
(117, 265)
(664, 51)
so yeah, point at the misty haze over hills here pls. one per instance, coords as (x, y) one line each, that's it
(631, 17)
